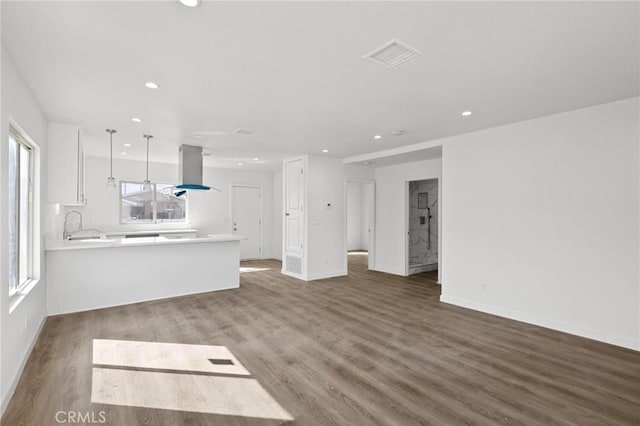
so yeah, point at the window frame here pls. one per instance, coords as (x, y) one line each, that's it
(154, 220)
(22, 141)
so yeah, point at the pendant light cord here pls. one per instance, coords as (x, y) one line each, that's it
(111, 132)
(148, 137)
(110, 154)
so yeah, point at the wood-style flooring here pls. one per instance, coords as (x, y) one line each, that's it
(369, 348)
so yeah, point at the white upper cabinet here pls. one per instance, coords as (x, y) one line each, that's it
(66, 165)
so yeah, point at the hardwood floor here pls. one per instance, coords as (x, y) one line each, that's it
(369, 348)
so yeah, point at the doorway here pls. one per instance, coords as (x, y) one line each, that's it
(246, 219)
(360, 224)
(423, 226)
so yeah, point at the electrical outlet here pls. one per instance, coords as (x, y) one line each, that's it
(483, 285)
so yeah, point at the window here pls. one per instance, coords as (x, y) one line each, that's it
(156, 204)
(20, 207)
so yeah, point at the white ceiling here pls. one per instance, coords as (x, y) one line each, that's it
(401, 158)
(294, 71)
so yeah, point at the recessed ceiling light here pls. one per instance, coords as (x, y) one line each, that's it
(377, 137)
(239, 164)
(127, 144)
(256, 159)
(136, 119)
(190, 3)
(466, 113)
(151, 85)
(325, 150)
(123, 153)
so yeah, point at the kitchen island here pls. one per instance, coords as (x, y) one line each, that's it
(100, 273)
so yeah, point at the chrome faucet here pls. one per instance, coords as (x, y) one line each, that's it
(66, 235)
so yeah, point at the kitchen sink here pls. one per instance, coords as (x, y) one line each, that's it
(84, 237)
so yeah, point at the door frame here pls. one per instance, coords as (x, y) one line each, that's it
(372, 237)
(406, 221)
(231, 199)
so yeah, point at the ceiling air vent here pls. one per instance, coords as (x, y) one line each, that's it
(244, 132)
(392, 54)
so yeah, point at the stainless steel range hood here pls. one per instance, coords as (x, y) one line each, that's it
(190, 168)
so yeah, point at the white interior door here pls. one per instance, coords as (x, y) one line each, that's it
(369, 204)
(294, 200)
(247, 220)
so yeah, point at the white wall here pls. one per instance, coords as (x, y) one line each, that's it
(354, 172)
(278, 215)
(545, 214)
(391, 211)
(325, 179)
(19, 328)
(208, 211)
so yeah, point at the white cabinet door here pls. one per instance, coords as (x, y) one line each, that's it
(66, 164)
(294, 208)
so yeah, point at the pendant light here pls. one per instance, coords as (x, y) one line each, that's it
(111, 181)
(147, 182)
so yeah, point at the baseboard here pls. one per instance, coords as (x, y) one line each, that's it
(23, 364)
(324, 275)
(422, 268)
(313, 277)
(292, 275)
(625, 342)
(389, 271)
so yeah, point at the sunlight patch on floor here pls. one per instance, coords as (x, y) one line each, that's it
(165, 356)
(233, 396)
(244, 269)
(173, 376)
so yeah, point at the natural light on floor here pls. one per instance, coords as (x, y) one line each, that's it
(174, 376)
(244, 269)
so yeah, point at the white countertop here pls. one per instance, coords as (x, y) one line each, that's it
(55, 245)
(154, 231)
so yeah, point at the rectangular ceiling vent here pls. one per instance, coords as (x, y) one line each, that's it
(392, 54)
(244, 132)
